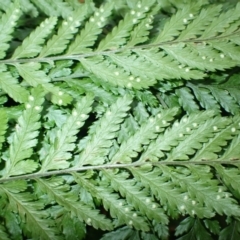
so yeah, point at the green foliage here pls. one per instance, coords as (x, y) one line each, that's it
(119, 119)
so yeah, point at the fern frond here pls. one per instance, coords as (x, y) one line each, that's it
(198, 23)
(233, 230)
(168, 194)
(148, 131)
(63, 142)
(232, 152)
(59, 42)
(230, 177)
(3, 126)
(7, 23)
(119, 34)
(92, 29)
(97, 147)
(46, 7)
(79, 87)
(24, 138)
(186, 100)
(4, 234)
(117, 207)
(60, 192)
(71, 227)
(32, 74)
(199, 135)
(32, 45)
(177, 23)
(215, 144)
(29, 8)
(206, 194)
(122, 115)
(135, 195)
(62, 8)
(174, 135)
(141, 32)
(221, 22)
(225, 100)
(205, 99)
(193, 227)
(34, 219)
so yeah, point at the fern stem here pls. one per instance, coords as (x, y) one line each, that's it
(107, 52)
(108, 166)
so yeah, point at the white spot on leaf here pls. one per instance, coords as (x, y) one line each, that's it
(31, 98)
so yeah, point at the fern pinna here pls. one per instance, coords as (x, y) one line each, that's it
(121, 116)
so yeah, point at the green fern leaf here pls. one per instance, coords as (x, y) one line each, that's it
(7, 24)
(194, 228)
(231, 232)
(87, 85)
(215, 144)
(32, 74)
(118, 208)
(34, 220)
(58, 43)
(166, 66)
(173, 136)
(206, 100)
(141, 32)
(232, 87)
(109, 72)
(92, 29)
(225, 100)
(119, 34)
(46, 7)
(204, 194)
(98, 145)
(168, 194)
(29, 8)
(186, 100)
(221, 22)
(230, 50)
(32, 45)
(233, 151)
(24, 138)
(62, 8)
(56, 190)
(230, 177)
(73, 228)
(4, 234)
(58, 95)
(3, 126)
(128, 128)
(11, 86)
(135, 195)
(63, 143)
(198, 136)
(198, 23)
(148, 131)
(177, 23)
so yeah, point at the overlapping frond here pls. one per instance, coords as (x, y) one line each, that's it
(141, 96)
(34, 218)
(62, 144)
(24, 137)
